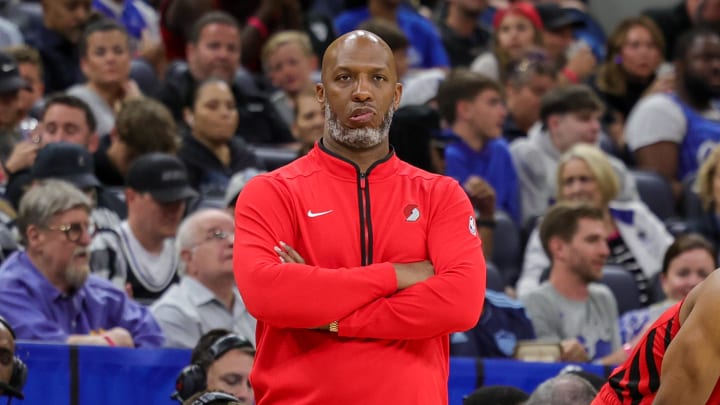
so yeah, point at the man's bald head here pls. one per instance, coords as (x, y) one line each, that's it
(352, 42)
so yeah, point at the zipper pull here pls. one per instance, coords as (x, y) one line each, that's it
(362, 181)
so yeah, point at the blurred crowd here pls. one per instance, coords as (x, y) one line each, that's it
(129, 127)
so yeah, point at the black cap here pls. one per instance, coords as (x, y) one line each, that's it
(555, 17)
(163, 176)
(10, 79)
(65, 161)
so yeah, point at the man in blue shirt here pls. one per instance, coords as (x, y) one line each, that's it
(47, 292)
(472, 106)
(426, 48)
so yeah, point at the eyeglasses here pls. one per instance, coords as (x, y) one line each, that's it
(215, 234)
(74, 231)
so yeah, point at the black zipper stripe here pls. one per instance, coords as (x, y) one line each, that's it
(368, 221)
(361, 211)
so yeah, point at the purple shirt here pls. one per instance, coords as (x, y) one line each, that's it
(39, 311)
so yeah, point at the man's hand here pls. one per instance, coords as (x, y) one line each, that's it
(573, 351)
(288, 254)
(482, 196)
(22, 156)
(121, 337)
(409, 274)
(582, 61)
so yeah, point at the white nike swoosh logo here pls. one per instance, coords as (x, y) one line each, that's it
(317, 214)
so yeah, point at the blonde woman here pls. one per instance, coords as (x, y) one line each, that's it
(635, 234)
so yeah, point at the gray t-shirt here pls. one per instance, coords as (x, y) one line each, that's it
(594, 322)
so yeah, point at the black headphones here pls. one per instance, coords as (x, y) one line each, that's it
(19, 371)
(193, 378)
(213, 397)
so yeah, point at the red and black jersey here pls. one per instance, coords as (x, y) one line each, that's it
(637, 381)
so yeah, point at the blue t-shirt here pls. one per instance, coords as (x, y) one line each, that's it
(426, 48)
(701, 136)
(493, 164)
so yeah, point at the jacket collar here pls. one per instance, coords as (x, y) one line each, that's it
(343, 168)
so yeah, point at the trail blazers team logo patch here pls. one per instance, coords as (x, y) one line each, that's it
(412, 213)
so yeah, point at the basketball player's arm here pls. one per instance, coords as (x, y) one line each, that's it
(691, 366)
(293, 294)
(450, 301)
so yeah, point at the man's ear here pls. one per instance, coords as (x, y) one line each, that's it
(462, 109)
(130, 195)
(398, 95)
(33, 235)
(556, 247)
(320, 93)
(93, 142)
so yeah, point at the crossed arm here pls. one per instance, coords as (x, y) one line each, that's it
(383, 300)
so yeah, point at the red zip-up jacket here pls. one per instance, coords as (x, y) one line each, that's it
(392, 346)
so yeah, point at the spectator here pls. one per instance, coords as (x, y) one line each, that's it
(309, 120)
(46, 291)
(463, 36)
(571, 306)
(496, 395)
(675, 20)
(10, 85)
(142, 126)
(480, 159)
(501, 326)
(63, 118)
(31, 70)
(206, 297)
(635, 234)
(575, 59)
(290, 63)
(568, 115)
(398, 42)
(13, 371)
(57, 39)
(209, 151)
(221, 361)
(212, 398)
(632, 70)
(105, 60)
(73, 163)
(214, 52)
(426, 49)
(527, 82)
(565, 389)
(687, 262)
(672, 134)
(140, 256)
(706, 221)
(517, 29)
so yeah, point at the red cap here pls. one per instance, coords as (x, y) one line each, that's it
(522, 8)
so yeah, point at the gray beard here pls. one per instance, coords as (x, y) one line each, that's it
(357, 138)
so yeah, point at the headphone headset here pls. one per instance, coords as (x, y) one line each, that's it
(212, 397)
(19, 370)
(193, 378)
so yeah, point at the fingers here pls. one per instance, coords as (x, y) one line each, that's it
(287, 254)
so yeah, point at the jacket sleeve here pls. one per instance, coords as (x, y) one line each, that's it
(450, 301)
(293, 295)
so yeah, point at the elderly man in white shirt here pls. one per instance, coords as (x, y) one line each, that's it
(206, 297)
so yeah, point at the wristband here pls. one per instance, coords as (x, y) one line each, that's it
(572, 76)
(485, 223)
(260, 26)
(109, 340)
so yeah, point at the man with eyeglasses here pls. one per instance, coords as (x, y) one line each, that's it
(140, 255)
(206, 297)
(47, 292)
